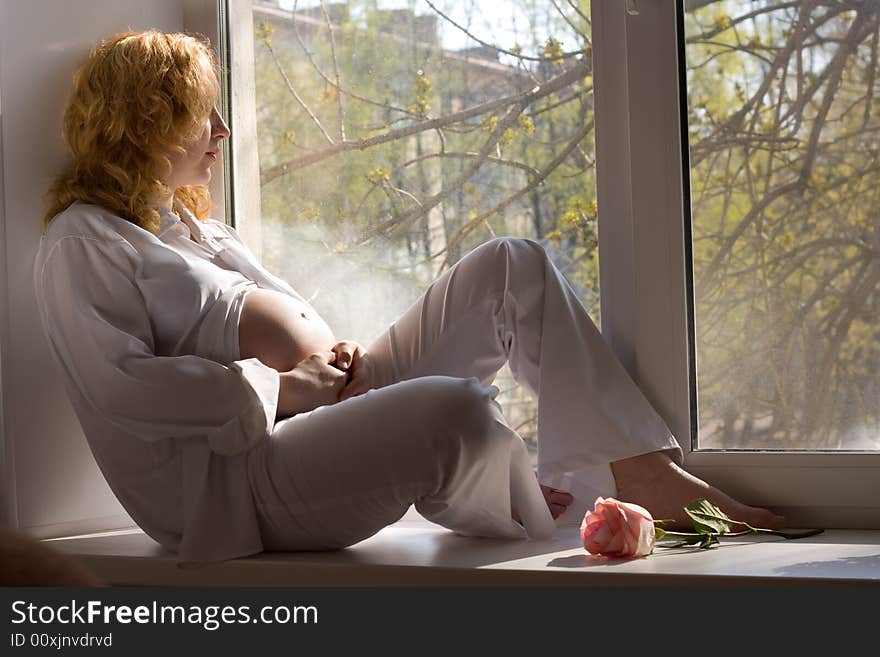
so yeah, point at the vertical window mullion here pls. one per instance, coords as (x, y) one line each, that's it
(616, 261)
(647, 309)
(640, 202)
(235, 189)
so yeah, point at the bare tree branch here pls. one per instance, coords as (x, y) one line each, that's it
(335, 71)
(561, 81)
(340, 89)
(295, 95)
(531, 171)
(577, 30)
(535, 182)
(693, 5)
(512, 53)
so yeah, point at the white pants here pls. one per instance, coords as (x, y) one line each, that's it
(430, 433)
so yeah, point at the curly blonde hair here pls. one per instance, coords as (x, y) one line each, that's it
(137, 98)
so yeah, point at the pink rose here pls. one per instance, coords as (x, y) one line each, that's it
(618, 529)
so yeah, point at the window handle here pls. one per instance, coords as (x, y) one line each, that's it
(632, 7)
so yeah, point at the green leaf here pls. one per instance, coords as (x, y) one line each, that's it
(708, 518)
(702, 541)
(658, 533)
(790, 534)
(685, 540)
(708, 541)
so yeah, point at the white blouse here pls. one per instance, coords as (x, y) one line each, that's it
(125, 312)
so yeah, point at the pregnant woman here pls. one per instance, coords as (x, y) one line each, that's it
(227, 417)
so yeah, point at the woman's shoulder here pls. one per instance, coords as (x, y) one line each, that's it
(92, 222)
(85, 231)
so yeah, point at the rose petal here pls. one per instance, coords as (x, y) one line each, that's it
(612, 517)
(630, 541)
(589, 524)
(595, 544)
(615, 544)
(640, 510)
(616, 528)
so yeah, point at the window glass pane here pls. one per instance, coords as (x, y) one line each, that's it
(391, 143)
(784, 140)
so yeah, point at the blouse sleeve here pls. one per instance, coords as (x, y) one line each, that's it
(97, 323)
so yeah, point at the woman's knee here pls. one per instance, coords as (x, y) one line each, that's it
(516, 248)
(458, 427)
(519, 261)
(460, 403)
(456, 417)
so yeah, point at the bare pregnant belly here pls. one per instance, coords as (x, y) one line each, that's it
(279, 330)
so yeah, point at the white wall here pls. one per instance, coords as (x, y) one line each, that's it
(57, 488)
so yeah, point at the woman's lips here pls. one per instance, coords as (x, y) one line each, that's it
(212, 154)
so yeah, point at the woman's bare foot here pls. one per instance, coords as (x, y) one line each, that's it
(655, 482)
(557, 501)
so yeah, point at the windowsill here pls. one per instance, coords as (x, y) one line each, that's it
(418, 553)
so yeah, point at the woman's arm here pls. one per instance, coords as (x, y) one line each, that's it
(312, 383)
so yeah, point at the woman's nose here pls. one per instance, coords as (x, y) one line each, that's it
(219, 129)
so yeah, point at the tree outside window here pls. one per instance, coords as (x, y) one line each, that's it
(784, 141)
(394, 140)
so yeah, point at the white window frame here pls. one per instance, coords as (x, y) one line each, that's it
(235, 188)
(644, 287)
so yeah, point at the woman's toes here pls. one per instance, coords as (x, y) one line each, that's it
(557, 496)
(557, 500)
(561, 497)
(766, 519)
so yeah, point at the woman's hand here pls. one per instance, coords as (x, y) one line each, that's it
(312, 383)
(353, 359)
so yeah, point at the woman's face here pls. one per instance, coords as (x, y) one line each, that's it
(194, 167)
